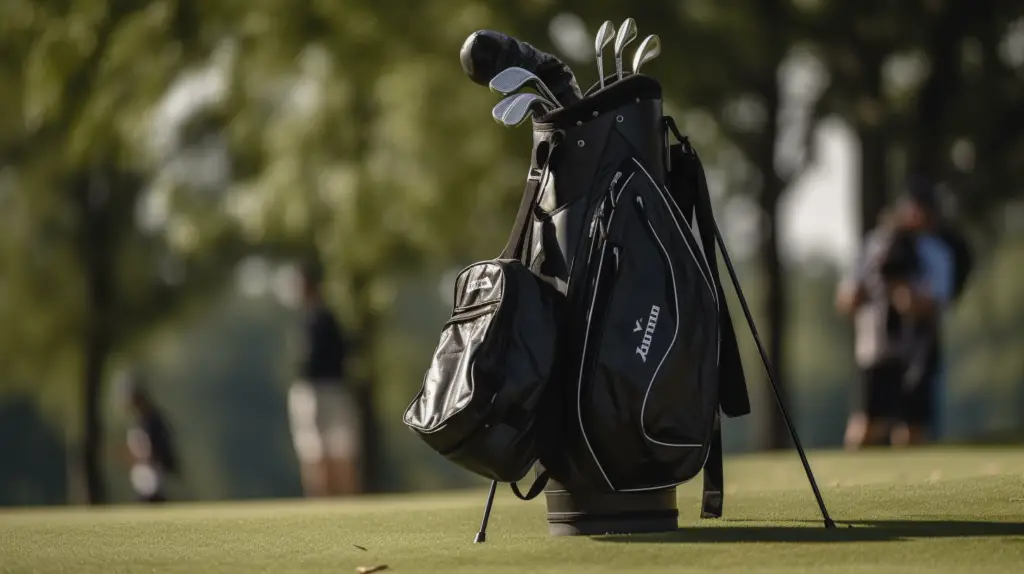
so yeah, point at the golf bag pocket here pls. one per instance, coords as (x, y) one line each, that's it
(479, 402)
(647, 368)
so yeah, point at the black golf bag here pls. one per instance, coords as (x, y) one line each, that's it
(598, 346)
(650, 355)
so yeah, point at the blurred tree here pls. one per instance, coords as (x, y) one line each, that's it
(82, 279)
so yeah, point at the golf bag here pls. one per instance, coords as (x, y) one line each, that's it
(624, 228)
(638, 315)
(598, 345)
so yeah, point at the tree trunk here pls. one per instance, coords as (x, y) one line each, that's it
(92, 194)
(96, 354)
(946, 32)
(874, 175)
(369, 332)
(775, 305)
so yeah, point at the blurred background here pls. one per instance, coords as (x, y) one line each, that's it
(167, 165)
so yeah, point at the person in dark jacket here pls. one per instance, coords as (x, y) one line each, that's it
(324, 416)
(150, 444)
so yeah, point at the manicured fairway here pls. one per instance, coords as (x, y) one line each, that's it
(929, 511)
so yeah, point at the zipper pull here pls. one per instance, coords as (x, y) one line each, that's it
(611, 188)
(596, 221)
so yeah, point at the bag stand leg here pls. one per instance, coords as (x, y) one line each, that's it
(829, 523)
(482, 535)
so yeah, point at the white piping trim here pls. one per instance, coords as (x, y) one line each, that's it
(671, 345)
(667, 197)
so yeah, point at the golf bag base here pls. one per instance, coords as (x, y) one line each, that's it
(576, 514)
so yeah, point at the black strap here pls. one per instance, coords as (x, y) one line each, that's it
(732, 382)
(516, 239)
(714, 476)
(535, 489)
(516, 244)
(687, 175)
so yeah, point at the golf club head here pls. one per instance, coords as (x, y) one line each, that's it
(649, 49)
(501, 107)
(511, 80)
(605, 35)
(521, 107)
(625, 35)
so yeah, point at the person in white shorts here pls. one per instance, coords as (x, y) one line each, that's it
(324, 417)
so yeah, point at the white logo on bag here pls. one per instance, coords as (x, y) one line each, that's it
(637, 328)
(645, 343)
(484, 283)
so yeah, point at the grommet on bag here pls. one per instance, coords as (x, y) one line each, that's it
(580, 143)
(595, 114)
(618, 119)
(579, 122)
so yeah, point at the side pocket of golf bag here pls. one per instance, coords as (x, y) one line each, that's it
(479, 402)
(645, 380)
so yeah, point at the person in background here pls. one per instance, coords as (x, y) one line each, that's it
(324, 417)
(149, 442)
(902, 284)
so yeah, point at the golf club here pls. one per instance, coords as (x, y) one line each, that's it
(499, 110)
(648, 50)
(522, 106)
(513, 79)
(501, 107)
(605, 35)
(625, 35)
(487, 52)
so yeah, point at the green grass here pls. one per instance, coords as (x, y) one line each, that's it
(942, 510)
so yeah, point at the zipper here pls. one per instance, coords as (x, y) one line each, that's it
(583, 364)
(472, 312)
(597, 226)
(598, 235)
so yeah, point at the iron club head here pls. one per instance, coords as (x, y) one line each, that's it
(605, 35)
(649, 49)
(501, 107)
(513, 79)
(521, 106)
(625, 35)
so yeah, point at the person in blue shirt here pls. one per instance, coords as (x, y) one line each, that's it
(902, 285)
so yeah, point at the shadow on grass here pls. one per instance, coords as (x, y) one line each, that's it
(861, 531)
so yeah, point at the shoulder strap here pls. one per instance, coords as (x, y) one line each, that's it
(517, 238)
(732, 383)
(516, 244)
(734, 400)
